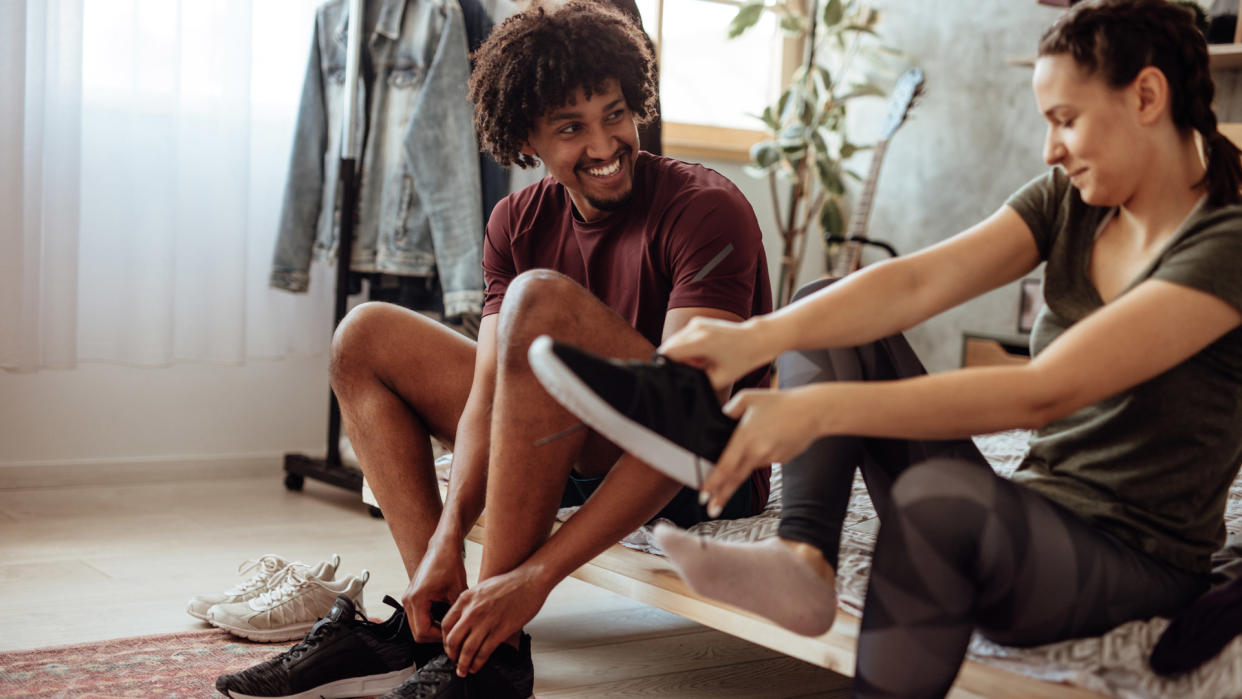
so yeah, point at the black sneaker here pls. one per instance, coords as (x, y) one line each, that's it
(344, 655)
(508, 674)
(663, 412)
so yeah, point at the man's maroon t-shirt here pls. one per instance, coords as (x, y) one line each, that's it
(687, 238)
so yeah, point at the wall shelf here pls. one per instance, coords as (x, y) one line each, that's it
(1221, 57)
(1225, 56)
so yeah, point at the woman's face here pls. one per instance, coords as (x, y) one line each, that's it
(1093, 131)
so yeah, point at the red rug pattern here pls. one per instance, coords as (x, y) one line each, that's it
(170, 666)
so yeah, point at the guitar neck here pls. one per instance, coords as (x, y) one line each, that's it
(851, 250)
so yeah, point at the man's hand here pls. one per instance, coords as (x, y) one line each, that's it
(487, 615)
(441, 577)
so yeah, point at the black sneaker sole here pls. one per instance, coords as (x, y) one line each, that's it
(658, 452)
(370, 685)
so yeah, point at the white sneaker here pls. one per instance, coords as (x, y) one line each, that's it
(288, 610)
(269, 567)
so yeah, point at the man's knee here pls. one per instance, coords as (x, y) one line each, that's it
(538, 293)
(537, 302)
(354, 341)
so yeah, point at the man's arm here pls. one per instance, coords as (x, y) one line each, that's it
(630, 495)
(441, 574)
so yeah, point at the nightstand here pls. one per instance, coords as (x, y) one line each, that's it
(993, 349)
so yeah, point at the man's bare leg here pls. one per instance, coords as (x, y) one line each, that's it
(526, 480)
(401, 378)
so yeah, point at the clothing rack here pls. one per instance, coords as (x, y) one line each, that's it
(299, 467)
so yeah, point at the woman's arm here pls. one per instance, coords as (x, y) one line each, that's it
(1145, 332)
(878, 301)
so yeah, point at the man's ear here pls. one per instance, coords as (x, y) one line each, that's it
(1151, 88)
(527, 150)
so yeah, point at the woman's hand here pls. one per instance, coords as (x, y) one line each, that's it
(773, 426)
(726, 350)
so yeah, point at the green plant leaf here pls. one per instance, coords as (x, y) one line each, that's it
(769, 119)
(829, 177)
(765, 154)
(830, 218)
(859, 28)
(745, 18)
(793, 24)
(782, 104)
(817, 139)
(862, 90)
(833, 12)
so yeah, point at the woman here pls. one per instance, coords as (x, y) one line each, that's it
(1134, 391)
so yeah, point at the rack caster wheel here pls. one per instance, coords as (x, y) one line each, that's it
(294, 481)
(375, 512)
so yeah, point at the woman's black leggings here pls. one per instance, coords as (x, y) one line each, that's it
(959, 547)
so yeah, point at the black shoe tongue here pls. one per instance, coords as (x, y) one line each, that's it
(342, 609)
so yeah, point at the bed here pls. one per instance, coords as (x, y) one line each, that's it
(1114, 664)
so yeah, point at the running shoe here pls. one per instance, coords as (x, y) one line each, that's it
(288, 610)
(508, 674)
(344, 655)
(661, 411)
(268, 570)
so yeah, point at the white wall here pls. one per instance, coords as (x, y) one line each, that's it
(112, 414)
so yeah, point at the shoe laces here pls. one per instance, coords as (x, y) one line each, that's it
(429, 678)
(321, 630)
(268, 566)
(291, 584)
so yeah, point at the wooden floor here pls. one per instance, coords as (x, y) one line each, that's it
(94, 562)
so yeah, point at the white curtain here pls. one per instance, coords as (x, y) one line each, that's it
(153, 138)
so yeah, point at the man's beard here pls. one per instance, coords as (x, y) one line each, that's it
(611, 205)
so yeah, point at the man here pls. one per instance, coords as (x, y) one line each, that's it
(613, 251)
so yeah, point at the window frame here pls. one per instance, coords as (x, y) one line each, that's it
(704, 141)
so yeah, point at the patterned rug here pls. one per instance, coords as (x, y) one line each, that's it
(174, 665)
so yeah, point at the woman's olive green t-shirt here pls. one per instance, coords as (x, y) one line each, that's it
(1153, 464)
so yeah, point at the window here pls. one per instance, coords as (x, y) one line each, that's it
(710, 85)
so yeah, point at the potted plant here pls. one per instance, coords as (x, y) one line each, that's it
(807, 144)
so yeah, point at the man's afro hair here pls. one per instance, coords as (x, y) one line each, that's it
(536, 60)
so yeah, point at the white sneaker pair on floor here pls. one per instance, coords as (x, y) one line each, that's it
(280, 601)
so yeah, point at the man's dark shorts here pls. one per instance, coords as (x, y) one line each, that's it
(684, 509)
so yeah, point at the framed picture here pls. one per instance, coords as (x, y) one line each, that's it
(1030, 300)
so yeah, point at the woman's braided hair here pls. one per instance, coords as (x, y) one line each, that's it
(536, 60)
(1115, 39)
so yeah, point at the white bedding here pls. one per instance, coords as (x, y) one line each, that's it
(1115, 663)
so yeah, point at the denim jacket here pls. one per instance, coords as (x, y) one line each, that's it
(418, 195)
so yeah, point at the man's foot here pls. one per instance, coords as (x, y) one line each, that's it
(766, 578)
(663, 412)
(508, 674)
(344, 655)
